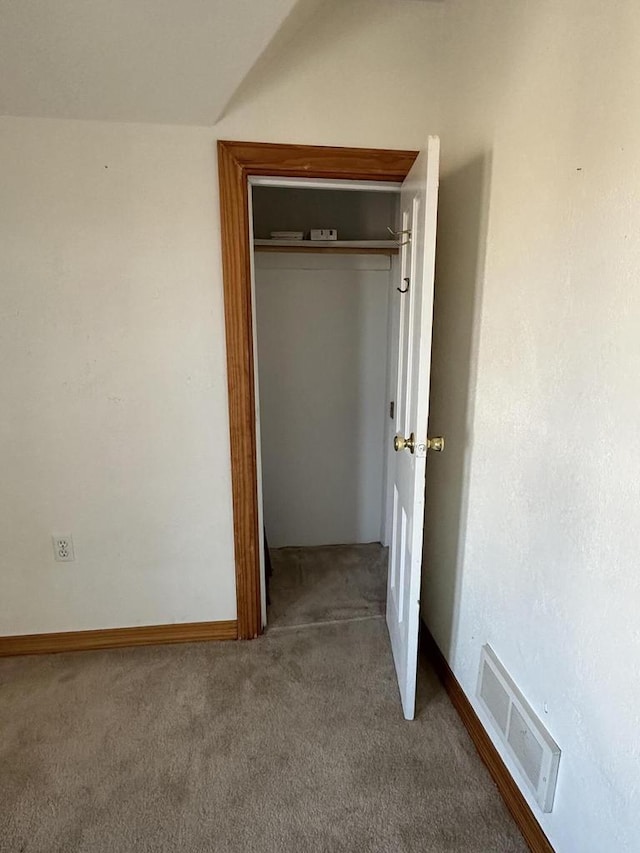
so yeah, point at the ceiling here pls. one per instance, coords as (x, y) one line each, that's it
(166, 61)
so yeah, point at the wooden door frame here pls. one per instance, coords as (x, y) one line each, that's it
(237, 161)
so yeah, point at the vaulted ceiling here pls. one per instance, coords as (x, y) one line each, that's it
(167, 61)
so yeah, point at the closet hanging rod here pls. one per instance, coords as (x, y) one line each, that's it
(354, 247)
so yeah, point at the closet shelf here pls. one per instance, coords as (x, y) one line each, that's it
(358, 247)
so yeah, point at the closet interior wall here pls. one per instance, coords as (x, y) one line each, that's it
(356, 215)
(323, 323)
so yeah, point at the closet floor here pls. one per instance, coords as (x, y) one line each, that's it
(327, 583)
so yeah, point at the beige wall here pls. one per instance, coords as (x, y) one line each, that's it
(534, 510)
(113, 389)
(113, 382)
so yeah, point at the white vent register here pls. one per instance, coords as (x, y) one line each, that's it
(526, 739)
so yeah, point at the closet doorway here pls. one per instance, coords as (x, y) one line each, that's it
(341, 333)
(324, 319)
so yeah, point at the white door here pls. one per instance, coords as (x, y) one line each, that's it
(419, 200)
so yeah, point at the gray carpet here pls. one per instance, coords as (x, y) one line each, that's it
(294, 742)
(328, 582)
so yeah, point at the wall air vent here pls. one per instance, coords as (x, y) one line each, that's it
(525, 738)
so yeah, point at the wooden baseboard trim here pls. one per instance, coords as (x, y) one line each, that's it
(525, 819)
(113, 638)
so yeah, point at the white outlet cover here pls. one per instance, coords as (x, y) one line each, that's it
(63, 548)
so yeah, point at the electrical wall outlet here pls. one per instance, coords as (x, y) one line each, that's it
(63, 548)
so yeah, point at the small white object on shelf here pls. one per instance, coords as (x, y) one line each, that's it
(324, 234)
(287, 235)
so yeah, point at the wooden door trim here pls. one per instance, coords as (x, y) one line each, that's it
(115, 638)
(236, 162)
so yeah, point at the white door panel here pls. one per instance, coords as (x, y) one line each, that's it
(419, 199)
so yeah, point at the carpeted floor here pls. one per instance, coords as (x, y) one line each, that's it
(326, 583)
(294, 742)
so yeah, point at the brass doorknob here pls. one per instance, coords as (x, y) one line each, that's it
(400, 443)
(436, 443)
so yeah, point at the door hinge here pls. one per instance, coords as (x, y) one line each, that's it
(392, 409)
